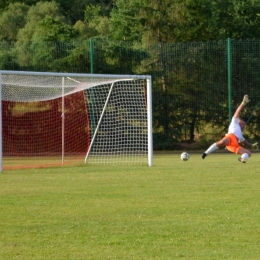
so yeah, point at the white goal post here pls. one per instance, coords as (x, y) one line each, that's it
(105, 118)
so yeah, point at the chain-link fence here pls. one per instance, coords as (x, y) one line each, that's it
(196, 86)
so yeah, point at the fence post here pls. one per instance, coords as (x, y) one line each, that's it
(229, 67)
(91, 51)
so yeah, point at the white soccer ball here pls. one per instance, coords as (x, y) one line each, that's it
(185, 156)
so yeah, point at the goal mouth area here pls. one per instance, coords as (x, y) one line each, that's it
(48, 118)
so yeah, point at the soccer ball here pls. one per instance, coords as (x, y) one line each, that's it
(185, 156)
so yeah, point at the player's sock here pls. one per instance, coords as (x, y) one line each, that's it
(244, 157)
(241, 160)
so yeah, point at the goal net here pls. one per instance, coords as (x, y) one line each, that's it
(57, 118)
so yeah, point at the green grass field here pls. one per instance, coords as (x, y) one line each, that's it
(200, 209)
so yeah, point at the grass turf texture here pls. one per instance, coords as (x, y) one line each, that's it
(200, 209)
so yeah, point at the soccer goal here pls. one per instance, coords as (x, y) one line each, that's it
(56, 118)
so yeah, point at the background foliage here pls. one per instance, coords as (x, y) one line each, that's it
(182, 44)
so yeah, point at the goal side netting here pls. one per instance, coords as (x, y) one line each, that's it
(57, 118)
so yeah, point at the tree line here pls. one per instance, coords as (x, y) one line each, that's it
(182, 44)
(133, 20)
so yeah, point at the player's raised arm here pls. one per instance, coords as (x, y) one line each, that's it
(244, 102)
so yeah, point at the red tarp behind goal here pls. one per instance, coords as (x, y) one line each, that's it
(35, 128)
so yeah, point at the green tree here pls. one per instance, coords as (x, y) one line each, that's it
(124, 24)
(202, 20)
(150, 21)
(95, 23)
(237, 20)
(50, 29)
(4, 4)
(75, 10)
(95, 20)
(35, 15)
(38, 40)
(72, 10)
(12, 20)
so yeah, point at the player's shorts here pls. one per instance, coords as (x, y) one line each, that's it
(233, 145)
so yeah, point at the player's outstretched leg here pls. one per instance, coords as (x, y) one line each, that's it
(211, 149)
(222, 143)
